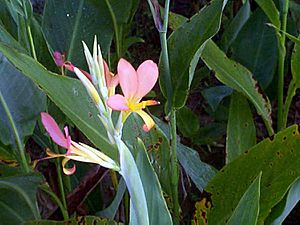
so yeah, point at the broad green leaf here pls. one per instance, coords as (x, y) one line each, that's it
(269, 8)
(18, 198)
(187, 121)
(214, 95)
(184, 43)
(235, 26)
(247, 210)
(20, 104)
(284, 208)
(67, 23)
(9, 40)
(261, 58)
(280, 156)
(200, 172)
(68, 94)
(241, 133)
(157, 145)
(87, 220)
(132, 176)
(6, 20)
(239, 78)
(157, 207)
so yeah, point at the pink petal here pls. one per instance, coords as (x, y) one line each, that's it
(107, 74)
(111, 79)
(128, 78)
(53, 130)
(117, 102)
(147, 75)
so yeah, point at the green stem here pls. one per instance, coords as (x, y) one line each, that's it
(114, 20)
(31, 41)
(28, 30)
(165, 56)
(174, 168)
(281, 59)
(61, 184)
(63, 210)
(172, 123)
(16, 134)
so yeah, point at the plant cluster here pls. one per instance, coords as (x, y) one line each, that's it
(89, 138)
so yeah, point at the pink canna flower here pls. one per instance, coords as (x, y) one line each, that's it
(79, 152)
(135, 85)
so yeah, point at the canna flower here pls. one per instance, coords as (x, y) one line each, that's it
(75, 151)
(135, 84)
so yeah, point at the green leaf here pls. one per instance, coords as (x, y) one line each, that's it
(241, 134)
(269, 8)
(68, 94)
(18, 198)
(295, 82)
(20, 105)
(291, 37)
(235, 26)
(261, 58)
(279, 161)
(157, 207)
(176, 20)
(184, 43)
(286, 205)
(87, 220)
(9, 40)
(295, 64)
(214, 95)
(132, 176)
(200, 172)
(6, 20)
(247, 211)
(187, 121)
(67, 23)
(239, 78)
(210, 133)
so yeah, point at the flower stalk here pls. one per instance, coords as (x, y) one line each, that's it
(165, 65)
(282, 53)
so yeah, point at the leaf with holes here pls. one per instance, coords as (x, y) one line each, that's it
(239, 78)
(279, 161)
(87, 220)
